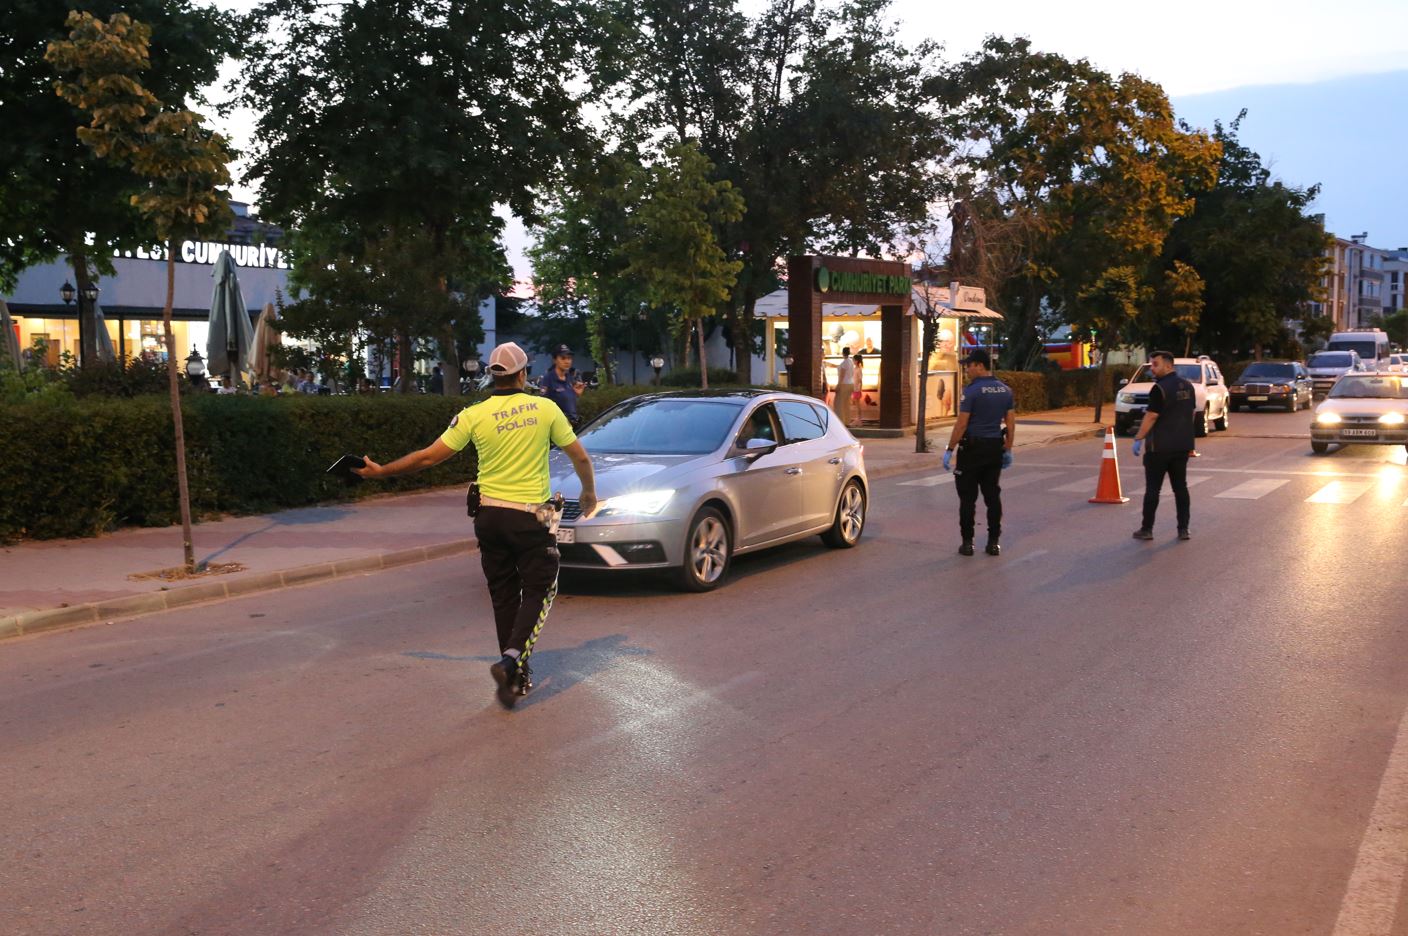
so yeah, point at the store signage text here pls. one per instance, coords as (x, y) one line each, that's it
(847, 282)
(207, 252)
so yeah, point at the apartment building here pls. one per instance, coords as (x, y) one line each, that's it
(1354, 282)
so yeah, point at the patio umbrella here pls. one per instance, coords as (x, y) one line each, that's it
(105, 350)
(266, 338)
(231, 336)
(10, 341)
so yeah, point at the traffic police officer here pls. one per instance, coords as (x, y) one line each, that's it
(983, 436)
(563, 385)
(1168, 427)
(513, 432)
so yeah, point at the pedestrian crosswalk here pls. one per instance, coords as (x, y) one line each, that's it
(1305, 486)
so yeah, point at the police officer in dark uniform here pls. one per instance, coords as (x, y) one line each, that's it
(563, 385)
(1168, 428)
(983, 436)
(512, 432)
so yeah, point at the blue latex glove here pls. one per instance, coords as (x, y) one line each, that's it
(1006, 458)
(1138, 447)
(948, 459)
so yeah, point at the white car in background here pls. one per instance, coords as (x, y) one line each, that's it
(1213, 401)
(1362, 409)
(1397, 363)
(1328, 366)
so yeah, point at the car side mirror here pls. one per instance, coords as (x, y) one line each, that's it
(755, 449)
(1123, 381)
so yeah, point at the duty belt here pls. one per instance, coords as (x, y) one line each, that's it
(487, 501)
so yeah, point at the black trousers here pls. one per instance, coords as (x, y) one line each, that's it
(979, 469)
(520, 561)
(1175, 465)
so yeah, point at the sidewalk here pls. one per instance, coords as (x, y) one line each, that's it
(57, 583)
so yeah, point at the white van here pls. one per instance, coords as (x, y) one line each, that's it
(1371, 344)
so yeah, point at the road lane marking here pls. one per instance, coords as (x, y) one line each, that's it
(1371, 899)
(931, 481)
(1272, 471)
(1193, 481)
(1255, 489)
(1340, 492)
(1030, 478)
(1076, 487)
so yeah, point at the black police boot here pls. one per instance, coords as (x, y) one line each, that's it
(1183, 533)
(524, 684)
(1143, 533)
(966, 549)
(993, 547)
(505, 673)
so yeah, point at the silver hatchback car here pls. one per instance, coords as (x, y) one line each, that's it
(688, 480)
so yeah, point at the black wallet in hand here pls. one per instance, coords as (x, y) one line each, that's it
(342, 468)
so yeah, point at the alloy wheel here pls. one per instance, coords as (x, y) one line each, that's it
(708, 550)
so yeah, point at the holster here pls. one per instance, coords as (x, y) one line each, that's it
(471, 499)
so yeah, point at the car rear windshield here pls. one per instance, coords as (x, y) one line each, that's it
(1275, 371)
(1367, 349)
(1385, 388)
(662, 427)
(1330, 359)
(1193, 373)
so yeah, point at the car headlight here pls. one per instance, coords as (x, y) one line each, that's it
(1126, 398)
(1236, 388)
(639, 502)
(1281, 388)
(1391, 419)
(1327, 419)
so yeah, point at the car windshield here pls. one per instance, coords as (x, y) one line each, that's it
(1274, 371)
(662, 427)
(1330, 359)
(1192, 373)
(1367, 349)
(1385, 388)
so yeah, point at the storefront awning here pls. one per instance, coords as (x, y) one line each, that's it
(774, 306)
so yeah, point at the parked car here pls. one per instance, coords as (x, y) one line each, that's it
(1272, 383)
(1362, 409)
(1328, 366)
(1213, 402)
(687, 480)
(1398, 363)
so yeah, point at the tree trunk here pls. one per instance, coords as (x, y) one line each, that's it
(928, 337)
(1100, 385)
(1188, 344)
(743, 334)
(406, 354)
(1257, 351)
(173, 381)
(87, 315)
(450, 354)
(703, 359)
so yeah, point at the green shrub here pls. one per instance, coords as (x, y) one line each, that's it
(80, 468)
(689, 377)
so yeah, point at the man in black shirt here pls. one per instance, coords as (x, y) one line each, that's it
(1168, 427)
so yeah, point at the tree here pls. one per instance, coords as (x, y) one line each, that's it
(391, 130)
(58, 197)
(1252, 241)
(674, 253)
(184, 165)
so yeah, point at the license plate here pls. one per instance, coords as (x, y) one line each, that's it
(1361, 433)
(1258, 399)
(566, 535)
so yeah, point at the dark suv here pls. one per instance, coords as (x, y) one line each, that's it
(1273, 383)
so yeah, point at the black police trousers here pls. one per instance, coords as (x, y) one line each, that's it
(979, 469)
(520, 561)
(1175, 465)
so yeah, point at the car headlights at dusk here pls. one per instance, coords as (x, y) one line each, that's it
(1391, 419)
(1327, 419)
(640, 502)
(1126, 398)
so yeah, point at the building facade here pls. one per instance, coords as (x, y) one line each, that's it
(1354, 283)
(1395, 280)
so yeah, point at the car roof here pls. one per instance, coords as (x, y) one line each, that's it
(739, 395)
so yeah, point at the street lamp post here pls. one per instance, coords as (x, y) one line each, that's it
(195, 365)
(658, 364)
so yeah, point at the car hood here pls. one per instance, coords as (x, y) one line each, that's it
(1364, 406)
(1136, 388)
(621, 474)
(1329, 371)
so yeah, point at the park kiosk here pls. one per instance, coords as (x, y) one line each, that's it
(874, 308)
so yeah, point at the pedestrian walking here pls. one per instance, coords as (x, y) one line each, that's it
(845, 386)
(858, 394)
(983, 437)
(514, 520)
(563, 385)
(1168, 428)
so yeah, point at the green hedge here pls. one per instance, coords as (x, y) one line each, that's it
(1044, 390)
(79, 468)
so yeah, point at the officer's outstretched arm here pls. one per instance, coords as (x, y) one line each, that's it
(428, 457)
(583, 466)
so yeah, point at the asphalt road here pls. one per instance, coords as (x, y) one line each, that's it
(1086, 735)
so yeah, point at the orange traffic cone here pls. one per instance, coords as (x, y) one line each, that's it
(1107, 490)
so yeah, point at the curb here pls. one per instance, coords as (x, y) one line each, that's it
(52, 619)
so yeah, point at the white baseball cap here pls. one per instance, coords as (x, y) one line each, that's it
(507, 358)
